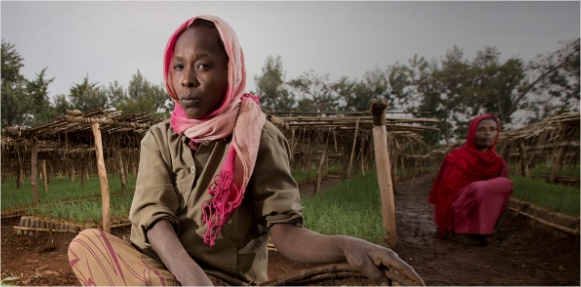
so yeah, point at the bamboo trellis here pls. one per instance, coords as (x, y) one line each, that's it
(73, 141)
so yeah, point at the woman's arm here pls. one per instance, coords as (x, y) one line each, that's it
(360, 254)
(165, 243)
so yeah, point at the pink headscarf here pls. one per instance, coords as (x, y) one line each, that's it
(239, 115)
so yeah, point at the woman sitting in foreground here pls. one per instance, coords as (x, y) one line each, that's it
(214, 185)
(472, 189)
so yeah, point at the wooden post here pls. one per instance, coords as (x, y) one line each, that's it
(72, 173)
(122, 172)
(102, 176)
(34, 170)
(524, 167)
(308, 160)
(320, 171)
(353, 149)
(44, 177)
(134, 169)
(557, 164)
(378, 109)
(292, 148)
(83, 168)
(20, 176)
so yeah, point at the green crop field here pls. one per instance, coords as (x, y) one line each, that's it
(555, 197)
(59, 189)
(352, 207)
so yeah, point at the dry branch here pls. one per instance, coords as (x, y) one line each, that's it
(324, 272)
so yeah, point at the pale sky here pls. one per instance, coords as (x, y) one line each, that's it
(112, 40)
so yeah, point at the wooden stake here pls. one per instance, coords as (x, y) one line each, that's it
(353, 149)
(292, 147)
(19, 179)
(378, 109)
(320, 171)
(34, 170)
(524, 168)
(557, 164)
(122, 172)
(308, 160)
(44, 177)
(72, 173)
(103, 177)
(83, 175)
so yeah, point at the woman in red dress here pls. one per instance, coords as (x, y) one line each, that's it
(472, 189)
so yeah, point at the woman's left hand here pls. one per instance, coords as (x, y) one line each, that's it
(370, 258)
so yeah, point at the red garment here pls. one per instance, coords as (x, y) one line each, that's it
(460, 168)
(478, 206)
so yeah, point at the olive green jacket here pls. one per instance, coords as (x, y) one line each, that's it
(172, 184)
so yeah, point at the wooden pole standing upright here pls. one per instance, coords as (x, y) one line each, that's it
(122, 172)
(320, 171)
(524, 167)
(34, 170)
(557, 163)
(353, 149)
(102, 176)
(44, 177)
(378, 109)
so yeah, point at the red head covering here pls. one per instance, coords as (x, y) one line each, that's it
(460, 168)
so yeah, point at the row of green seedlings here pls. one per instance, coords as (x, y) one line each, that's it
(60, 189)
(540, 169)
(555, 197)
(352, 207)
(34, 225)
(74, 216)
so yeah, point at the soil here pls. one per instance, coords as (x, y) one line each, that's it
(528, 255)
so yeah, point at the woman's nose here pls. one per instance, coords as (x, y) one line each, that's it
(190, 80)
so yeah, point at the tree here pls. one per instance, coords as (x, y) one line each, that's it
(269, 85)
(39, 102)
(317, 89)
(115, 93)
(88, 96)
(61, 104)
(554, 84)
(495, 85)
(14, 100)
(399, 82)
(142, 97)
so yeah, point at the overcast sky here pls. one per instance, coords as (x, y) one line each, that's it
(112, 40)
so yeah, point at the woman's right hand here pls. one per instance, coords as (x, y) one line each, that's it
(166, 244)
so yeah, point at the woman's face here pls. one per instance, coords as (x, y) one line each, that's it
(199, 71)
(486, 134)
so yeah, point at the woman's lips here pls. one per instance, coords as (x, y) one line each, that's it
(189, 100)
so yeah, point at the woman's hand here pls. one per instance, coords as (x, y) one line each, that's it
(166, 244)
(366, 257)
(370, 258)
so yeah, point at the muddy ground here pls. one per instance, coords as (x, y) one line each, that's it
(529, 255)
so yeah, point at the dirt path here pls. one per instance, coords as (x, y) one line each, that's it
(529, 256)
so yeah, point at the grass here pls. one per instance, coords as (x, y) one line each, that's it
(86, 210)
(59, 189)
(301, 175)
(352, 207)
(548, 171)
(555, 197)
(542, 170)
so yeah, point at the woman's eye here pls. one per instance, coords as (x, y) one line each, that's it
(178, 66)
(203, 66)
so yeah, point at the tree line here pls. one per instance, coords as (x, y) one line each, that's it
(452, 88)
(25, 102)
